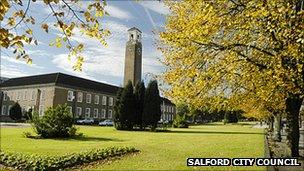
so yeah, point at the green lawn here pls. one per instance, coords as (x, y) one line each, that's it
(161, 150)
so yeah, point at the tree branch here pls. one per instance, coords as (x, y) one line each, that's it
(27, 8)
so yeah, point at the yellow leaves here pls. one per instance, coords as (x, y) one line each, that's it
(11, 21)
(4, 38)
(45, 27)
(29, 31)
(4, 6)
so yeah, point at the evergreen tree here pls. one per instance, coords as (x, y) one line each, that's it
(139, 102)
(117, 110)
(151, 112)
(127, 107)
(15, 112)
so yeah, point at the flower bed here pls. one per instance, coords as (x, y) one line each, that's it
(32, 162)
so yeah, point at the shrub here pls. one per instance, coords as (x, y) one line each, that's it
(32, 162)
(180, 121)
(15, 112)
(55, 123)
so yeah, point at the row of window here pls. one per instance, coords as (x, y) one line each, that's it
(6, 109)
(22, 95)
(167, 108)
(89, 97)
(167, 117)
(88, 114)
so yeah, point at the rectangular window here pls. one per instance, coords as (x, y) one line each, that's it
(42, 94)
(79, 111)
(70, 96)
(103, 113)
(87, 112)
(95, 113)
(19, 95)
(41, 110)
(79, 96)
(110, 114)
(3, 110)
(8, 110)
(70, 109)
(33, 95)
(104, 100)
(25, 95)
(111, 101)
(88, 98)
(4, 96)
(96, 99)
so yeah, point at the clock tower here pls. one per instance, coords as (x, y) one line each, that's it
(133, 56)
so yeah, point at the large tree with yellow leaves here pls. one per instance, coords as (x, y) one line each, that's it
(233, 53)
(70, 16)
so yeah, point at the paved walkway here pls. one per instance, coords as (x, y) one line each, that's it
(18, 125)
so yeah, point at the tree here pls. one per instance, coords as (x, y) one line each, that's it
(70, 17)
(117, 110)
(28, 114)
(230, 52)
(128, 107)
(15, 112)
(139, 94)
(151, 112)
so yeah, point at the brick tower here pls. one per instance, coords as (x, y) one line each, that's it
(133, 57)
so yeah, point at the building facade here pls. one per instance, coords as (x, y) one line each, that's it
(168, 110)
(84, 98)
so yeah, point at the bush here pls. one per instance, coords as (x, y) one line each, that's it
(31, 162)
(15, 112)
(180, 121)
(55, 123)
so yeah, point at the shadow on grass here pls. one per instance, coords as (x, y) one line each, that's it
(213, 132)
(86, 138)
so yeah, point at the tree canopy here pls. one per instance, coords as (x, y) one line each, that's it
(229, 54)
(70, 17)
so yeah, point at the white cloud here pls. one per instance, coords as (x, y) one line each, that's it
(155, 6)
(117, 12)
(19, 61)
(12, 71)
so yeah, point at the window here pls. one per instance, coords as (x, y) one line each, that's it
(79, 111)
(3, 110)
(4, 96)
(87, 112)
(88, 98)
(103, 113)
(111, 101)
(33, 94)
(96, 99)
(70, 95)
(70, 109)
(95, 113)
(104, 100)
(79, 96)
(110, 114)
(19, 95)
(8, 110)
(41, 110)
(42, 94)
(25, 95)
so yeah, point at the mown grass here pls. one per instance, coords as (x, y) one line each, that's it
(159, 150)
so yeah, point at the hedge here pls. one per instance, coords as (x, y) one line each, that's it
(33, 162)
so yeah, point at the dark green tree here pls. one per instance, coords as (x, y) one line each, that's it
(28, 114)
(139, 102)
(127, 107)
(151, 112)
(15, 112)
(117, 110)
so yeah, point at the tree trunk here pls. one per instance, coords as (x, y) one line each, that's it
(277, 127)
(293, 105)
(271, 123)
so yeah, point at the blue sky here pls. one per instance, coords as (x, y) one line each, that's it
(104, 64)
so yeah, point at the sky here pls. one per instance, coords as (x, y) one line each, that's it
(103, 64)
